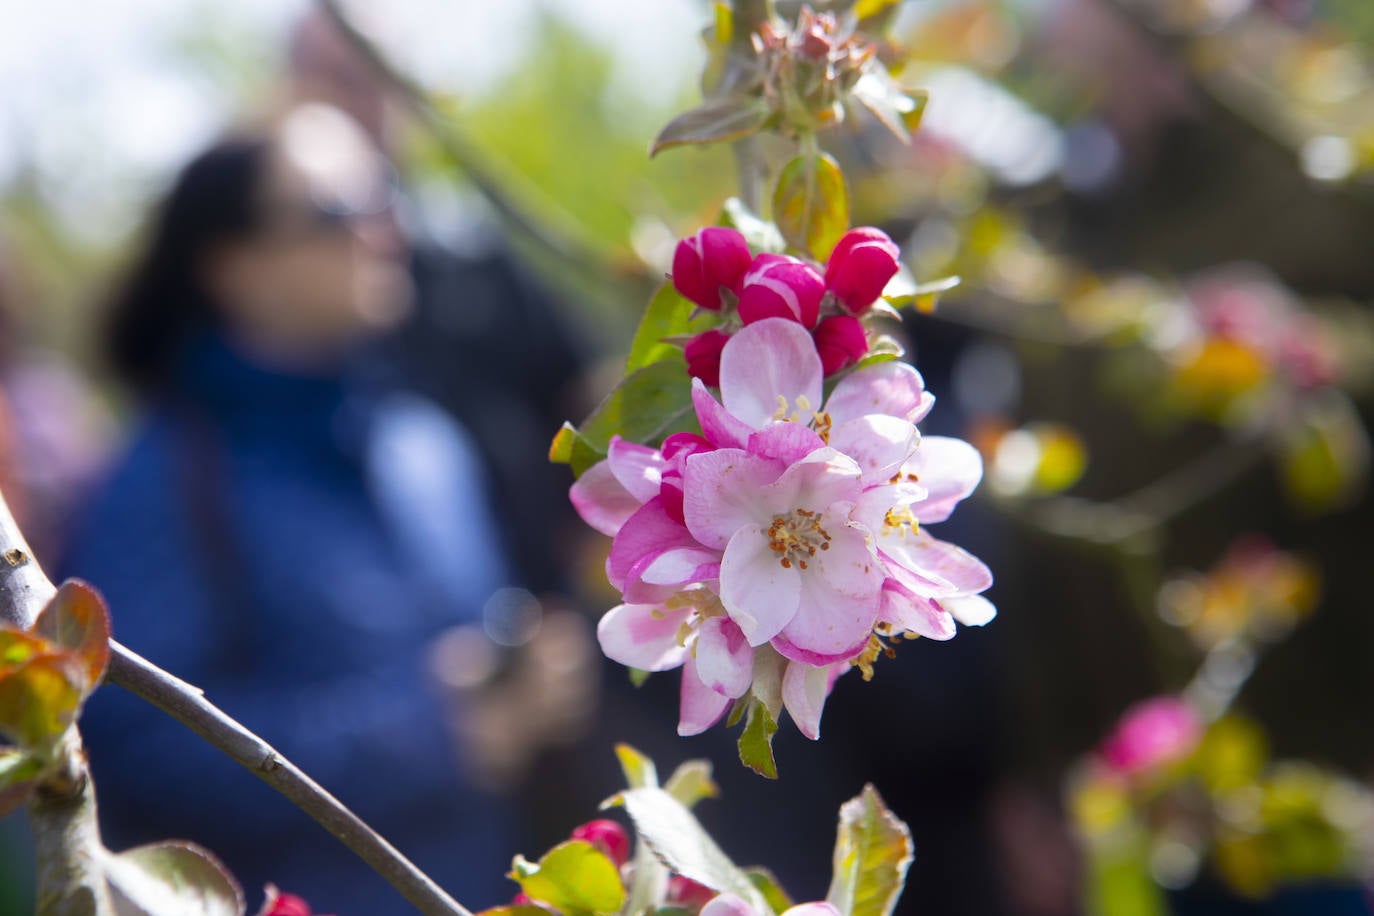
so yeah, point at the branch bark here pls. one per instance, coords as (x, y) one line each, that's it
(63, 824)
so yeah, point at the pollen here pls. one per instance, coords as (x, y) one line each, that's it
(877, 647)
(797, 537)
(900, 521)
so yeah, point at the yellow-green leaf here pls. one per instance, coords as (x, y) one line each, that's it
(756, 741)
(811, 204)
(573, 877)
(872, 852)
(691, 782)
(639, 770)
(669, 315)
(728, 118)
(172, 877)
(38, 700)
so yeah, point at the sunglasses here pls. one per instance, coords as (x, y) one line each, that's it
(329, 213)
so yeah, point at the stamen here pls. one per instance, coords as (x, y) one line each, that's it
(796, 537)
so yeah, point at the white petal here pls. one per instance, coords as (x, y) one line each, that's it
(970, 610)
(759, 593)
(725, 662)
(804, 689)
(641, 636)
(769, 359)
(893, 387)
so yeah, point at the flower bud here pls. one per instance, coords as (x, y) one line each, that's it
(676, 449)
(1150, 734)
(860, 266)
(713, 258)
(688, 894)
(607, 836)
(779, 286)
(279, 904)
(703, 356)
(841, 342)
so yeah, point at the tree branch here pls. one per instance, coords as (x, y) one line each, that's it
(59, 822)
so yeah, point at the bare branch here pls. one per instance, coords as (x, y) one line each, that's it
(59, 821)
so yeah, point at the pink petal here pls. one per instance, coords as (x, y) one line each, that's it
(643, 637)
(912, 613)
(649, 532)
(814, 483)
(893, 387)
(931, 567)
(819, 908)
(949, 469)
(701, 707)
(602, 500)
(725, 661)
(970, 610)
(681, 566)
(638, 467)
(722, 492)
(769, 359)
(719, 427)
(760, 594)
(838, 600)
(787, 442)
(879, 444)
(727, 905)
(804, 689)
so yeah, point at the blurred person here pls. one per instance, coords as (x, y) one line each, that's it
(288, 537)
(485, 339)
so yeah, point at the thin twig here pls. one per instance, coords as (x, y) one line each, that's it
(24, 590)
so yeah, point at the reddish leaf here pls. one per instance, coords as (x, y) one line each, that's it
(76, 620)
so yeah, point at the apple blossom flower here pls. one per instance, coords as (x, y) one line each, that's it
(781, 286)
(715, 258)
(730, 905)
(860, 266)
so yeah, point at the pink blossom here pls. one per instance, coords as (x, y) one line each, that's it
(730, 905)
(780, 286)
(1150, 734)
(713, 259)
(841, 342)
(859, 268)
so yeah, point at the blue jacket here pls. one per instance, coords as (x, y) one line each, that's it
(292, 548)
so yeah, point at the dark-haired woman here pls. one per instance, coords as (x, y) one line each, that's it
(284, 538)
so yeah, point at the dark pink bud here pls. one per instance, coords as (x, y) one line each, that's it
(684, 444)
(841, 342)
(713, 258)
(703, 356)
(607, 836)
(279, 904)
(688, 894)
(778, 286)
(1150, 734)
(860, 266)
(670, 492)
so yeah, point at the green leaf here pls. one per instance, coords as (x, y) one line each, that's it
(669, 315)
(758, 232)
(873, 14)
(638, 676)
(573, 877)
(756, 741)
(767, 884)
(913, 114)
(171, 879)
(639, 770)
(727, 118)
(522, 909)
(691, 782)
(811, 204)
(38, 701)
(872, 852)
(77, 620)
(650, 403)
(679, 840)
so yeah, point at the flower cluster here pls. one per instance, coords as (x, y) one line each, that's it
(716, 270)
(785, 542)
(1180, 795)
(810, 66)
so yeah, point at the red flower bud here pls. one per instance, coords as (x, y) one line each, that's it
(279, 904)
(688, 894)
(607, 836)
(841, 342)
(778, 286)
(860, 266)
(703, 356)
(713, 258)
